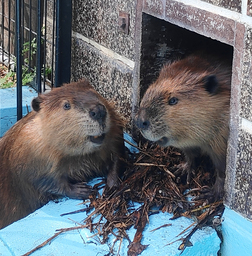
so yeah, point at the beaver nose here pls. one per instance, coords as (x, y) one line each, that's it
(142, 122)
(98, 113)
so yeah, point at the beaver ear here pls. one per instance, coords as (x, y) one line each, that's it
(36, 103)
(211, 84)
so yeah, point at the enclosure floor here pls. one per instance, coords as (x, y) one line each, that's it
(8, 106)
(24, 235)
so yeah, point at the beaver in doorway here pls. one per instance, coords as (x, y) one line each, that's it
(188, 108)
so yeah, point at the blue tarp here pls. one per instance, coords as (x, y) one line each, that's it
(24, 235)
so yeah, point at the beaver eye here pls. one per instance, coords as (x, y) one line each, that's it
(67, 106)
(173, 101)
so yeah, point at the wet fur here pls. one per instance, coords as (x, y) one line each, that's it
(48, 152)
(199, 122)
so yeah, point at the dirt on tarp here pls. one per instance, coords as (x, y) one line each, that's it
(155, 177)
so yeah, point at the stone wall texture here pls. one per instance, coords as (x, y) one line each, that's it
(249, 8)
(233, 5)
(246, 86)
(98, 20)
(242, 201)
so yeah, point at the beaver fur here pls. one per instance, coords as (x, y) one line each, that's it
(188, 107)
(72, 135)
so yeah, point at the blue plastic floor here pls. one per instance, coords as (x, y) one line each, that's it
(8, 109)
(24, 235)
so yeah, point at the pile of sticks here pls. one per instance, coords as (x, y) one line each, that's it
(157, 179)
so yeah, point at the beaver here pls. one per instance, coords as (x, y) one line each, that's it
(72, 135)
(188, 107)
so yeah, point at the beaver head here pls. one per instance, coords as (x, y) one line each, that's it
(74, 118)
(187, 105)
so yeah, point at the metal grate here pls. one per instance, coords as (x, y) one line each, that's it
(36, 43)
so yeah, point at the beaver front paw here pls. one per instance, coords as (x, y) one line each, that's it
(80, 191)
(213, 194)
(181, 170)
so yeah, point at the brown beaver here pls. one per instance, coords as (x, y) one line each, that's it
(188, 108)
(72, 135)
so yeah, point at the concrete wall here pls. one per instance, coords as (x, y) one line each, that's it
(102, 53)
(111, 60)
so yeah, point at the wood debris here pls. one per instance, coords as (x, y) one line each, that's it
(153, 179)
(150, 180)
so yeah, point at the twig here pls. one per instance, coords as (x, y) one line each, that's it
(163, 226)
(121, 239)
(170, 173)
(140, 149)
(149, 164)
(60, 231)
(133, 145)
(207, 215)
(194, 223)
(207, 206)
(43, 244)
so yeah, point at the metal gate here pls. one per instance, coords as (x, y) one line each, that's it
(36, 42)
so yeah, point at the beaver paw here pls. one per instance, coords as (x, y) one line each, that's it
(211, 195)
(182, 170)
(80, 191)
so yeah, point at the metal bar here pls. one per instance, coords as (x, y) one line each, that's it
(45, 46)
(22, 22)
(63, 42)
(2, 31)
(53, 45)
(9, 34)
(38, 63)
(30, 38)
(19, 59)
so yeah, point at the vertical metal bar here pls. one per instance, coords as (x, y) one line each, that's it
(30, 38)
(53, 45)
(2, 30)
(9, 34)
(22, 20)
(19, 59)
(45, 46)
(38, 63)
(63, 42)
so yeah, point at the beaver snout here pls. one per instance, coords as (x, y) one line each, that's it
(98, 113)
(142, 121)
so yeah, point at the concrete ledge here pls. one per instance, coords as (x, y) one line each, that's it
(24, 235)
(8, 106)
(237, 234)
